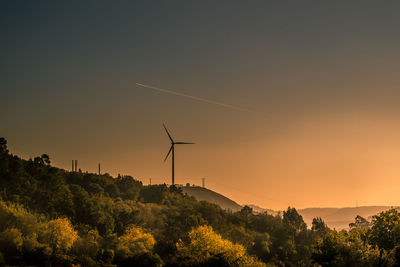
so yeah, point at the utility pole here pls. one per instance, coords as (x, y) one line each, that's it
(72, 165)
(76, 165)
(99, 169)
(203, 182)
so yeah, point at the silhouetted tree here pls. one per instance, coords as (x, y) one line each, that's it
(46, 159)
(318, 225)
(360, 223)
(385, 230)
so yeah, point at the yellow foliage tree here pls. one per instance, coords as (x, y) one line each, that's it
(135, 242)
(205, 244)
(59, 235)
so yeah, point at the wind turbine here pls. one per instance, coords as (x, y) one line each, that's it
(173, 143)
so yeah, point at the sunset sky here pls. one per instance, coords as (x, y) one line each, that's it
(310, 88)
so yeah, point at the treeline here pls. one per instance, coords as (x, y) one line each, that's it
(49, 216)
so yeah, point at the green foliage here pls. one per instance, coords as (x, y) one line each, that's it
(385, 230)
(360, 223)
(342, 249)
(3, 146)
(87, 247)
(11, 242)
(134, 242)
(294, 220)
(205, 245)
(59, 234)
(49, 216)
(129, 188)
(319, 226)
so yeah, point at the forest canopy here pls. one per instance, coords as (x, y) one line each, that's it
(50, 216)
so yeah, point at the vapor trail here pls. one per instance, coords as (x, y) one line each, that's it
(194, 97)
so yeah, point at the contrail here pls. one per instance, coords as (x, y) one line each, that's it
(194, 97)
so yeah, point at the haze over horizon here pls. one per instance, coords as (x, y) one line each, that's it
(322, 80)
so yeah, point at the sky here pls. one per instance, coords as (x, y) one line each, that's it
(302, 97)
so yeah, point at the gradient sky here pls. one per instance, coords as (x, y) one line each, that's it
(322, 79)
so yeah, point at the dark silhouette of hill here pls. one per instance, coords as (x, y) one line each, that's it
(204, 194)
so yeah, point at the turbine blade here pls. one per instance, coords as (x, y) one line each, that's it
(184, 143)
(168, 153)
(168, 133)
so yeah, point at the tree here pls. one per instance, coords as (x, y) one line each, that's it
(4, 157)
(385, 230)
(205, 245)
(344, 249)
(11, 243)
(38, 161)
(129, 187)
(297, 248)
(136, 241)
(59, 234)
(261, 246)
(245, 214)
(360, 223)
(135, 246)
(87, 248)
(318, 225)
(3, 146)
(46, 159)
(292, 218)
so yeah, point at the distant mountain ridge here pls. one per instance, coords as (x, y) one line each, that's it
(337, 218)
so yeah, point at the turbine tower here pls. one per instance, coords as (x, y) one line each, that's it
(173, 143)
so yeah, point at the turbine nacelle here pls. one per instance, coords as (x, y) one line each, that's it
(173, 143)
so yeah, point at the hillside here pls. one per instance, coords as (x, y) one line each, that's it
(337, 218)
(205, 194)
(102, 220)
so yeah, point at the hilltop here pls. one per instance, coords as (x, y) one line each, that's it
(204, 194)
